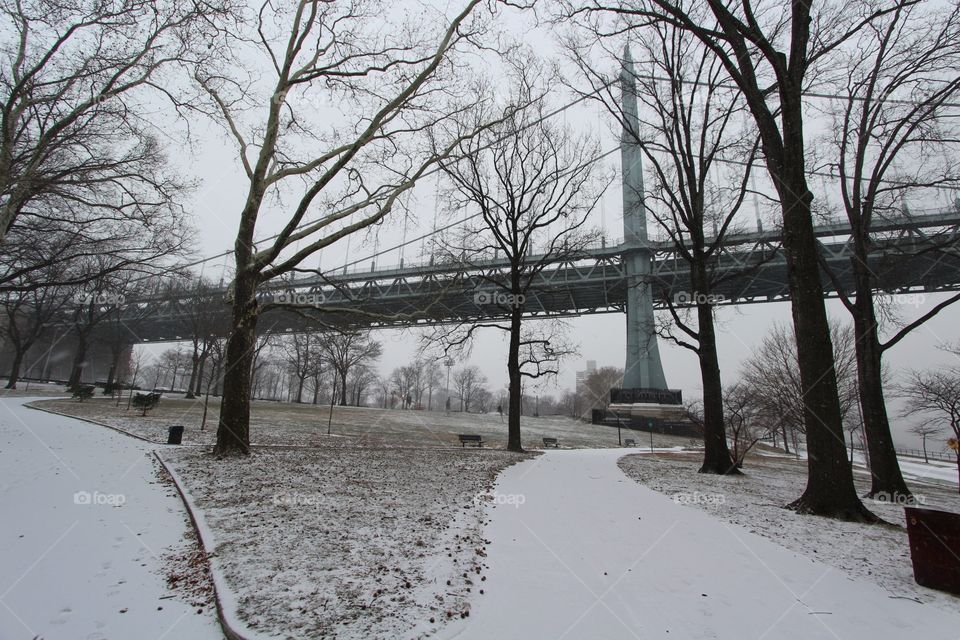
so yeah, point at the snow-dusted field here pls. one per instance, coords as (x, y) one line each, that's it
(878, 554)
(274, 423)
(346, 542)
(90, 537)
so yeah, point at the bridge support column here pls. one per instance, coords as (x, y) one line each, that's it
(642, 368)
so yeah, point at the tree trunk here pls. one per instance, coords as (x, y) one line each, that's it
(716, 453)
(958, 471)
(79, 359)
(194, 369)
(300, 382)
(233, 430)
(513, 371)
(198, 390)
(830, 490)
(343, 389)
(18, 355)
(923, 439)
(887, 480)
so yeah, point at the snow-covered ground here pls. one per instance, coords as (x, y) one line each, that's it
(274, 423)
(342, 541)
(379, 532)
(878, 554)
(584, 552)
(89, 536)
(913, 468)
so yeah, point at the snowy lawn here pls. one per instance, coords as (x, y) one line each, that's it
(345, 542)
(33, 390)
(274, 423)
(879, 554)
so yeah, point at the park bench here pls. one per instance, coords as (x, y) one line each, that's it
(145, 401)
(551, 442)
(467, 438)
(629, 442)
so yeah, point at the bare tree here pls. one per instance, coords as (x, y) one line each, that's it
(433, 378)
(403, 380)
(343, 351)
(935, 394)
(894, 135)
(118, 328)
(262, 346)
(316, 368)
(362, 377)
(771, 52)
(925, 430)
(468, 381)
(92, 307)
(393, 90)
(772, 375)
(215, 355)
(26, 317)
(73, 81)
(745, 422)
(170, 367)
(200, 322)
(533, 184)
(595, 392)
(298, 351)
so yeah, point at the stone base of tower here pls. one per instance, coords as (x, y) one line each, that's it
(656, 410)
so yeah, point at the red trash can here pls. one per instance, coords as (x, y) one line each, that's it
(935, 548)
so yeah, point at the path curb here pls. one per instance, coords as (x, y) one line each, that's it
(228, 621)
(30, 405)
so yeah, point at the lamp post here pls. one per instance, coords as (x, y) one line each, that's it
(449, 365)
(650, 426)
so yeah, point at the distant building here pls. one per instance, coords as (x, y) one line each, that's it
(583, 375)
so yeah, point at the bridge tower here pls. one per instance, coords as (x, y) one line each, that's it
(643, 369)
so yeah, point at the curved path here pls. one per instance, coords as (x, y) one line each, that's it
(82, 571)
(581, 551)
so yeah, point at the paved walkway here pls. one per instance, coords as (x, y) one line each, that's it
(86, 571)
(581, 551)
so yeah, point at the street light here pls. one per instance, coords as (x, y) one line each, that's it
(449, 365)
(650, 425)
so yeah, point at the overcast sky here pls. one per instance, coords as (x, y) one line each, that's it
(216, 203)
